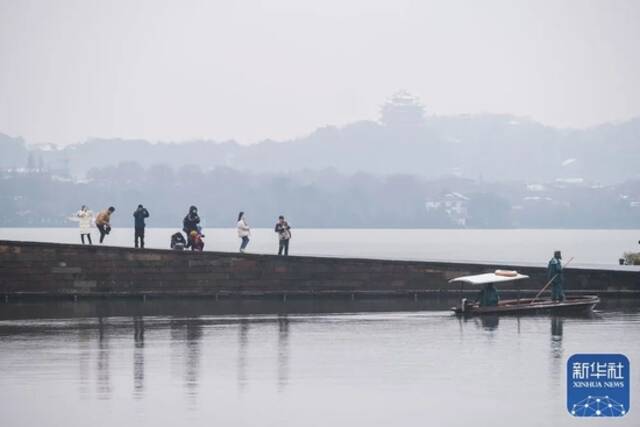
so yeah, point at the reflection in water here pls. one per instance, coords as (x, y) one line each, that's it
(490, 322)
(556, 336)
(104, 381)
(187, 333)
(243, 340)
(175, 334)
(283, 351)
(84, 359)
(192, 360)
(391, 358)
(138, 356)
(461, 321)
(557, 366)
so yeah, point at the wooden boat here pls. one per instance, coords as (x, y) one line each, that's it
(571, 305)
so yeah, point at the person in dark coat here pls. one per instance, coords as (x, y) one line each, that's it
(488, 296)
(556, 275)
(284, 235)
(178, 241)
(139, 216)
(191, 221)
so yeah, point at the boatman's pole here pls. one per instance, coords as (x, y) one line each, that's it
(549, 282)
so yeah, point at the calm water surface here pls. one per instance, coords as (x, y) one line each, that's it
(314, 363)
(520, 246)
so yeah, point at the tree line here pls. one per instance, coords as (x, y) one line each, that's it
(323, 199)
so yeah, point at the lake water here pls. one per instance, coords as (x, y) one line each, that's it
(320, 362)
(518, 246)
(301, 363)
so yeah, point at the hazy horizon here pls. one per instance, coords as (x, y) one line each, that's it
(179, 71)
(303, 135)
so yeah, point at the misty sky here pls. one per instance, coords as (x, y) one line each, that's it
(250, 70)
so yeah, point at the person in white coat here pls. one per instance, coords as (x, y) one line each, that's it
(243, 231)
(85, 217)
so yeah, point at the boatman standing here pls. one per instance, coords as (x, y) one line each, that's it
(555, 274)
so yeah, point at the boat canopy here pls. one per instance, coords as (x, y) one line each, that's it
(498, 276)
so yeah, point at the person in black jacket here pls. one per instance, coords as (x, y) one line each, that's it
(191, 221)
(284, 235)
(178, 241)
(139, 216)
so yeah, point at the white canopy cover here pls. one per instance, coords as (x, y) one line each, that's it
(498, 276)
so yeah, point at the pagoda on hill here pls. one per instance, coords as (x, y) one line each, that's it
(402, 110)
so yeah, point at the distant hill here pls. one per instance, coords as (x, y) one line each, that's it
(13, 152)
(489, 147)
